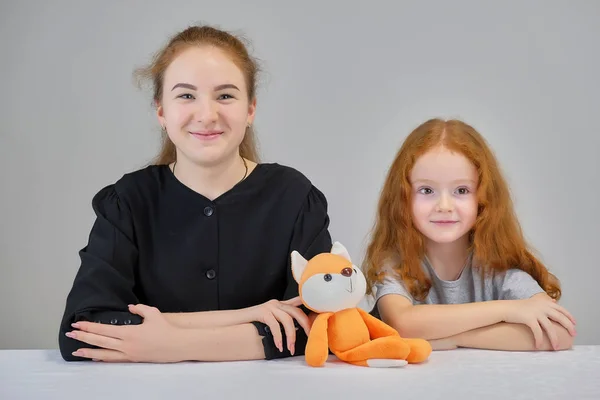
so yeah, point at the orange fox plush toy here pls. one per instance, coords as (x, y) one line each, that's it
(331, 286)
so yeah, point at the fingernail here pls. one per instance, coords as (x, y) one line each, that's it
(77, 353)
(292, 349)
(75, 325)
(70, 334)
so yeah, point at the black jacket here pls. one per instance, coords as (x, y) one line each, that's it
(157, 242)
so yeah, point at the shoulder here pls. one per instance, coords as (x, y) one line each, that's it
(515, 283)
(279, 175)
(289, 183)
(391, 282)
(142, 180)
(512, 275)
(132, 187)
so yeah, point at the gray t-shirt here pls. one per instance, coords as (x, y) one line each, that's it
(470, 286)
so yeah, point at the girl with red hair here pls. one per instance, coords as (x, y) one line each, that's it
(447, 259)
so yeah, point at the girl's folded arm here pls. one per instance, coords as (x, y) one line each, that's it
(433, 321)
(512, 337)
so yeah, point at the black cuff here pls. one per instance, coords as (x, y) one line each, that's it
(68, 345)
(271, 351)
(109, 317)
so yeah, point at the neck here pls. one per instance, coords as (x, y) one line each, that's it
(213, 180)
(448, 259)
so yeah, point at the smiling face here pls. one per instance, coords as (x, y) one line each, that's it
(204, 106)
(444, 201)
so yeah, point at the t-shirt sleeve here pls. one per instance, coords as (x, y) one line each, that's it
(516, 284)
(103, 285)
(391, 284)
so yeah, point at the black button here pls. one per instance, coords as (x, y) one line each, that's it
(208, 211)
(127, 322)
(113, 321)
(267, 329)
(210, 274)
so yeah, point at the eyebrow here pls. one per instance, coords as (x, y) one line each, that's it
(431, 182)
(217, 88)
(184, 85)
(226, 86)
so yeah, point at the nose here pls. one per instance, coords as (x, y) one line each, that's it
(347, 271)
(445, 204)
(206, 111)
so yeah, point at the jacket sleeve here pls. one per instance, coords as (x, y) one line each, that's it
(310, 237)
(104, 283)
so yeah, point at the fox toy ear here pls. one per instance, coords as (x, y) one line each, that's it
(340, 250)
(298, 265)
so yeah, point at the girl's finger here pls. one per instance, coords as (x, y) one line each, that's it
(296, 301)
(113, 331)
(565, 312)
(275, 330)
(550, 332)
(299, 316)
(288, 326)
(101, 355)
(96, 340)
(562, 319)
(538, 335)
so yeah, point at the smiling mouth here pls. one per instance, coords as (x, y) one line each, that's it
(206, 135)
(444, 222)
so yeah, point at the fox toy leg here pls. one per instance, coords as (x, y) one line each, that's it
(389, 351)
(420, 350)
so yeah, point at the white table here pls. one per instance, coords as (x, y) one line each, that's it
(457, 374)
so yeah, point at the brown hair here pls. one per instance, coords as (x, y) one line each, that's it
(496, 240)
(202, 36)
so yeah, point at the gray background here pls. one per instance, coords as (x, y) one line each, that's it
(343, 86)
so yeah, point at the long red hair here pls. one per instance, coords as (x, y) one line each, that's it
(496, 240)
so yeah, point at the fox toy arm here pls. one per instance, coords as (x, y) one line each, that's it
(317, 347)
(376, 327)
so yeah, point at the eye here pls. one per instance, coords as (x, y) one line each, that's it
(355, 271)
(186, 96)
(226, 97)
(425, 190)
(463, 190)
(327, 277)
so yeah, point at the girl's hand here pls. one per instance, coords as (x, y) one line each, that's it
(537, 313)
(152, 341)
(273, 312)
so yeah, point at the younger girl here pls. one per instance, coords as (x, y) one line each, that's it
(448, 259)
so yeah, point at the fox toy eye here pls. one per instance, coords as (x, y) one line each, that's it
(327, 277)
(347, 272)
